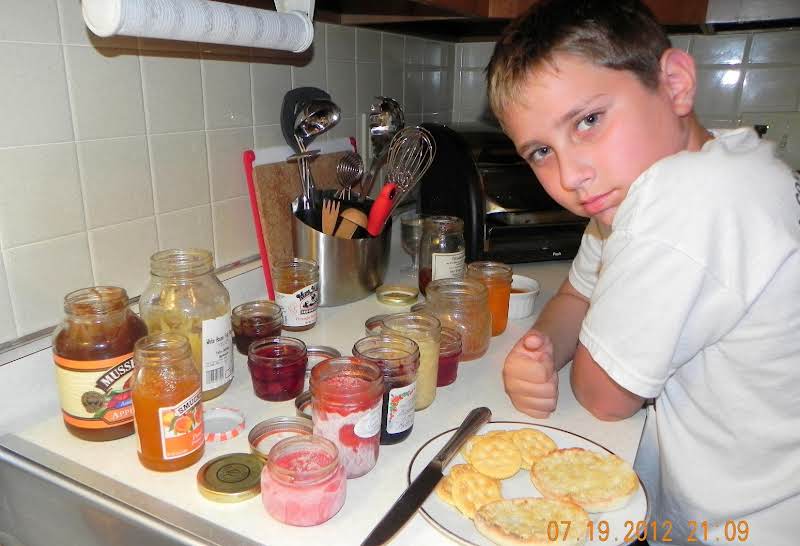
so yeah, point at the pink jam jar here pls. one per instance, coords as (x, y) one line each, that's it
(303, 483)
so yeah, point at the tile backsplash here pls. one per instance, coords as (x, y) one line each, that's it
(113, 148)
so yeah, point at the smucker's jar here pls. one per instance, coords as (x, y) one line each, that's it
(185, 297)
(441, 250)
(296, 285)
(496, 277)
(346, 395)
(93, 353)
(462, 304)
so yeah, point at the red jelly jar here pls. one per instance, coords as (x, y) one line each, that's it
(303, 482)
(277, 367)
(346, 395)
(449, 356)
(255, 320)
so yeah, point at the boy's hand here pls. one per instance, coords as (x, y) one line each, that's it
(530, 377)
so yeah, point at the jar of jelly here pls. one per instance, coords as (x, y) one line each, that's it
(255, 320)
(277, 367)
(496, 277)
(346, 395)
(185, 297)
(425, 330)
(462, 304)
(93, 354)
(398, 358)
(167, 405)
(441, 250)
(303, 482)
(296, 284)
(449, 356)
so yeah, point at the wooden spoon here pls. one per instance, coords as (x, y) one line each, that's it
(351, 219)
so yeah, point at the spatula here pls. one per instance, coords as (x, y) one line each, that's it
(351, 219)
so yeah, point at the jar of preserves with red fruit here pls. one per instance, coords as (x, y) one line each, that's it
(277, 367)
(255, 320)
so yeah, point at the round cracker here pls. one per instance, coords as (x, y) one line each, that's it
(532, 444)
(496, 456)
(471, 490)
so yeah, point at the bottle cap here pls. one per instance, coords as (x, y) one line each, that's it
(222, 423)
(397, 294)
(230, 478)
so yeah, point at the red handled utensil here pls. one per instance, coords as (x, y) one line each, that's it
(381, 209)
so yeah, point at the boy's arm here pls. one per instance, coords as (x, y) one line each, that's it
(597, 392)
(561, 320)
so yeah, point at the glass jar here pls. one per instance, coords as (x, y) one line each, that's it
(303, 482)
(463, 305)
(374, 324)
(93, 354)
(398, 359)
(496, 277)
(277, 367)
(449, 355)
(185, 297)
(425, 330)
(255, 320)
(296, 284)
(346, 397)
(167, 403)
(441, 250)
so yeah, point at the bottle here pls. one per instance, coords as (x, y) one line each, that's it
(185, 297)
(167, 403)
(93, 354)
(462, 304)
(296, 283)
(496, 277)
(441, 250)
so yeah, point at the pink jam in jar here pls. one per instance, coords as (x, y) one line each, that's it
(277, 367)
(303, 482)
(449, 356)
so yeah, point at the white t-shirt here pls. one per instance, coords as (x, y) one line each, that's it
(695, 301)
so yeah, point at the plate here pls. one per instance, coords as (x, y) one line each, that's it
(609, 528)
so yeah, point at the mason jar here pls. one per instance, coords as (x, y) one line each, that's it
(296, 284)
(496, 277)
(441, 250)
(462, 304)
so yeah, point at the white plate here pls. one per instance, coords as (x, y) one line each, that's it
(451, 522)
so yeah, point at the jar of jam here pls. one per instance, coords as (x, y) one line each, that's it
(185, 297)
(496, 277)
(441, 250)
(277, 367)
(296, 284)
(425, 330)
(93, 354)
(255, 320)
(398, 358)
(449, 356)
(167, 403)
(462, 304)
(303, 482)
(346, 395)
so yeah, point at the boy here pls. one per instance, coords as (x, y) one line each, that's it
(686, 289)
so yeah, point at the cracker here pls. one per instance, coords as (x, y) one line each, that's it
(532, 444)
(471, 490)
(496, 456)
(529, 521)
(444, 489)
(468, 445)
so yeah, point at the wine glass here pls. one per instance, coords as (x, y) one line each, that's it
(410, 234)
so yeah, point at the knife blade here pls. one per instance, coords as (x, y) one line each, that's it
(419, 489)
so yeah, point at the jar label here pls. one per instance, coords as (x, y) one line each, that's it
(217, 352)
(95, 394)
(447, 265)
(370, 423)
(400, 408)
(299, 308)
(181, 427)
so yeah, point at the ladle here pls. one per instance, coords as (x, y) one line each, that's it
(386, 119)
(314, 119)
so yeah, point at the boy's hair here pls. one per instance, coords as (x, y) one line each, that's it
(617, 34)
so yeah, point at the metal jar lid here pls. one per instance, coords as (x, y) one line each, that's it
(230, 478)
(267, 433)
(302, 405)
(397, 294)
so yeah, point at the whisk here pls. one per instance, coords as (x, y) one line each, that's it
(349, 171)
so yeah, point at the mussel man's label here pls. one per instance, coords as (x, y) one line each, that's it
(299, 308)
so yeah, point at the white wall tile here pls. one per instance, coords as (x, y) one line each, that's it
(393, 48)
(36, 292)
(121, 253)
(270, 84)
(41, 193)
(341, 42)
(716, 91)
(776, 47)
(443, 117)
(392, 81)
(412, 120)
(74, 30)
(719, 49)
(313, 73)
(347, 127)
(412, 94)
(30, 21)
(342, 85)
(8, 330)
(35, 106)
(226, 93)
(180, 170)
(476, 55)
(225, 169)
(116, 180)
(173, 93)
(415, 51)
(435, 53)
(431, 90)
(473, 90)
(234, 232)
(268, 135)
(369, 85)
(771, 90)
(681, 41)
(368, 45)
(105, 91)
(186, 228)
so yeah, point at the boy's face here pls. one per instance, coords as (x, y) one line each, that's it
(588, 132)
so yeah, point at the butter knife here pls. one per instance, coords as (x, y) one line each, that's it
(416, 493)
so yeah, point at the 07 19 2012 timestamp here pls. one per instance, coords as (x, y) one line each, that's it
(657, 531)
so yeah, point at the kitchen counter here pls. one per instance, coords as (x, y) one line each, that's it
(171, 504)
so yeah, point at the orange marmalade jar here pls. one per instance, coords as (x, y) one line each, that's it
(496, 277)
(168, 412)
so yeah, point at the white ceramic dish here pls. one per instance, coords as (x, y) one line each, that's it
(520, 304)
(452, 523)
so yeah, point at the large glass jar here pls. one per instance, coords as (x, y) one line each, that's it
(462, 304)
(441, 250)
(496, 277)
(93, 353)
(185, 297)
(166, 402)
(296, 283)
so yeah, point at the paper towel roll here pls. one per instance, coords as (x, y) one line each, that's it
(200, 21)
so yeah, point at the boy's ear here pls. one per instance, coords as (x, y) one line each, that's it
(679, 79)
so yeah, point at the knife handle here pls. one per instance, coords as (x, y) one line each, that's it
(472, 422)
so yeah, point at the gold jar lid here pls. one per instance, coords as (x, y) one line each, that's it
(397, 294)
(230, 478)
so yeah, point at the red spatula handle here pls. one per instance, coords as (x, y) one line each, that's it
(381, 209)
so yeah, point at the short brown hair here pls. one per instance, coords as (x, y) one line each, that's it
(617, 34)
